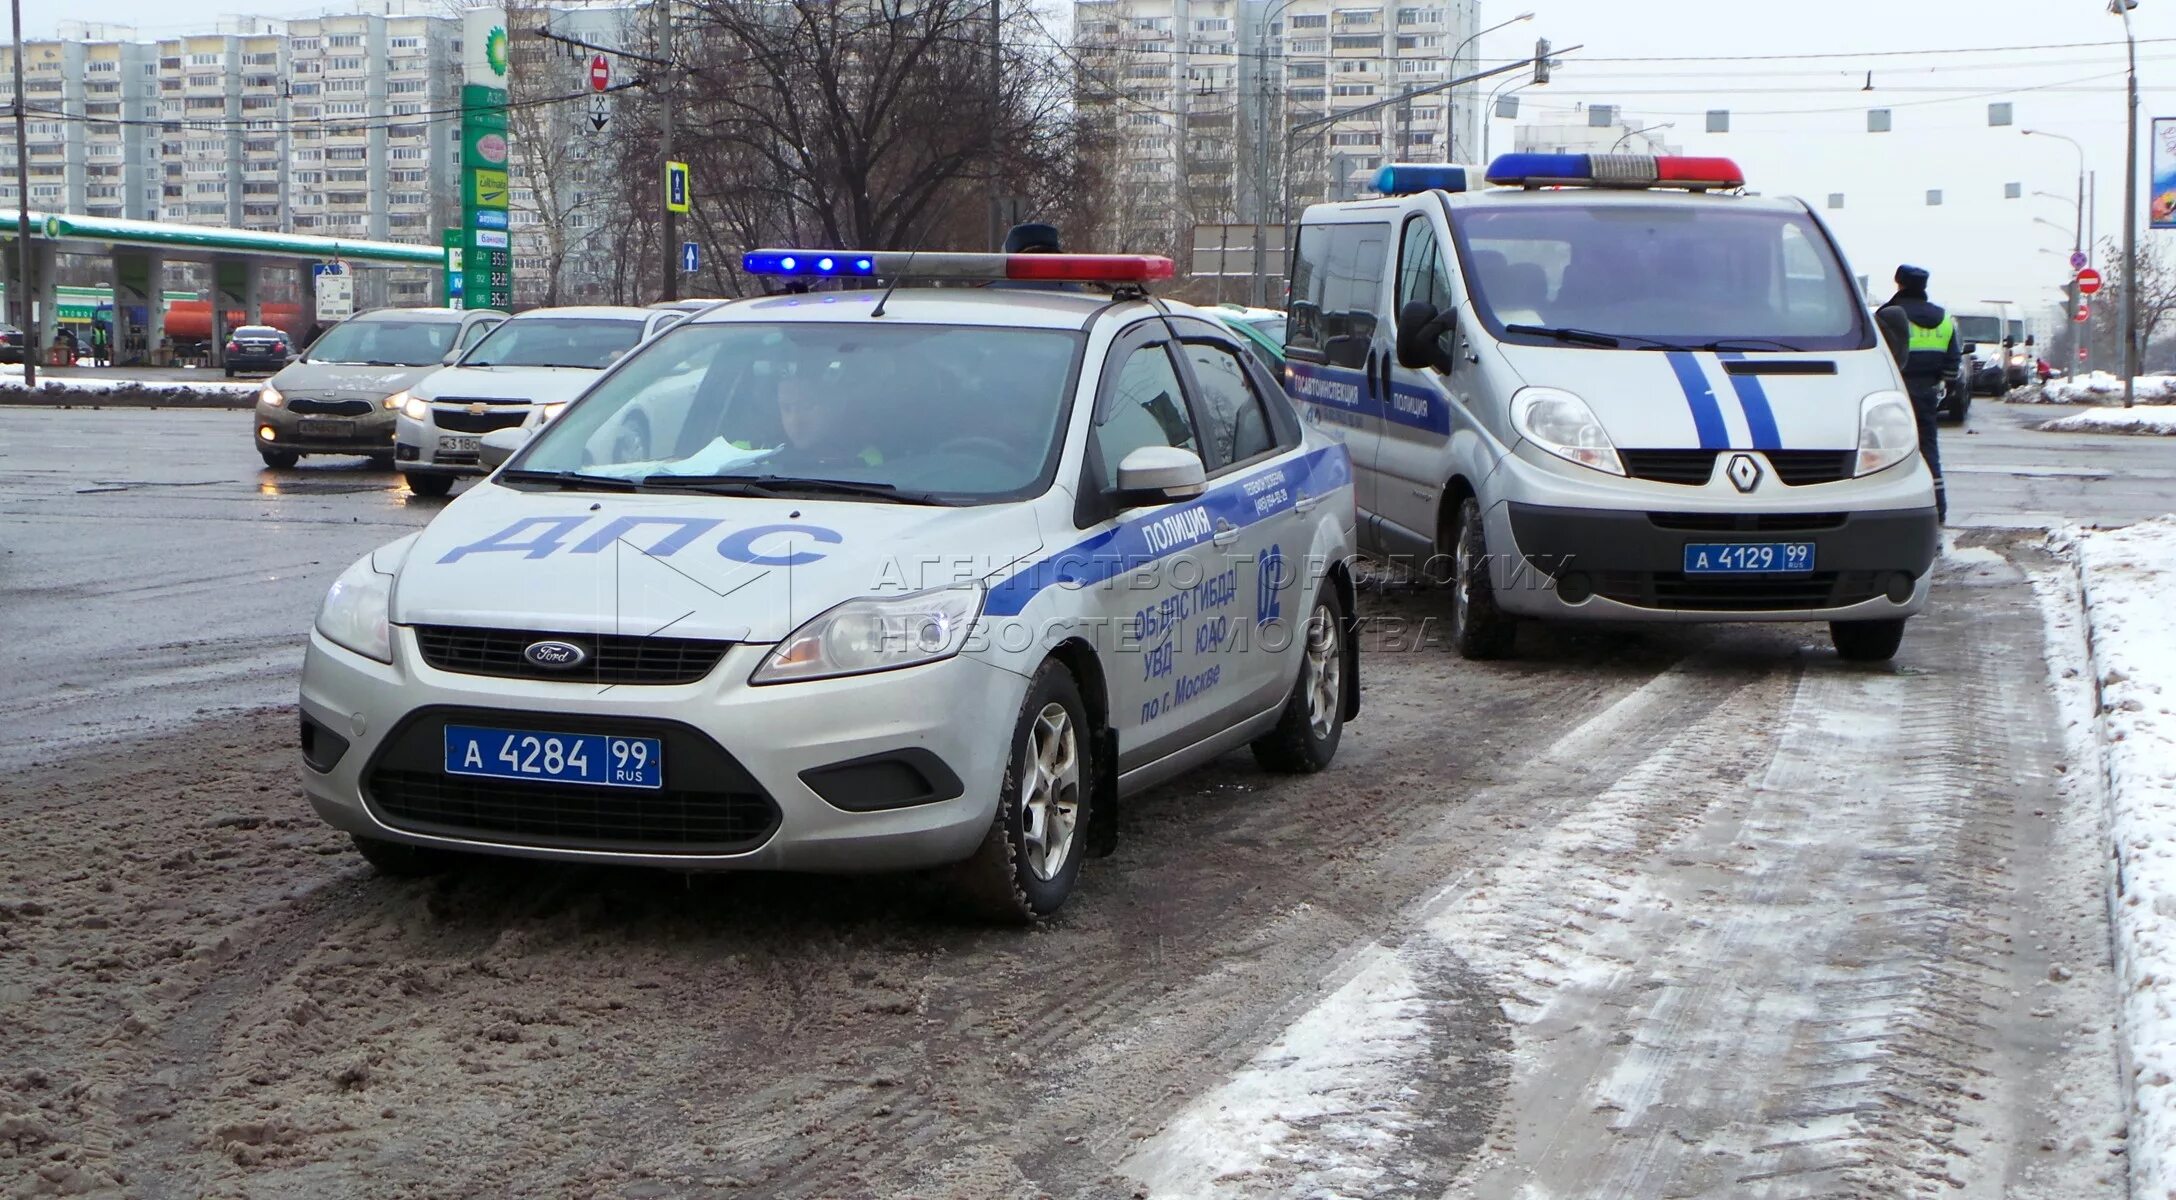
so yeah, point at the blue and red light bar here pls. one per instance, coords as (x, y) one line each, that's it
(1615, 171)
(897, 264)
(1406, 179)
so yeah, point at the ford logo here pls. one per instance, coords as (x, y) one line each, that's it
(555, 655)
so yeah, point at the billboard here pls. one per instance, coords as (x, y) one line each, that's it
(2161, 201)
(486, 253)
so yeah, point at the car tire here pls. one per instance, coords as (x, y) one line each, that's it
(279, 460)
(1306, 736)
(1479, 629)
(230, 372)
(425, 483)
(402, 860)
(1867, 641)
(1049, 779)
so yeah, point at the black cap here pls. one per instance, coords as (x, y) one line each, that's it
(1911, 277)
(1032, 238)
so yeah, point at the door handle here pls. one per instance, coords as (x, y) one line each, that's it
(1305, 502)
(1226, 533)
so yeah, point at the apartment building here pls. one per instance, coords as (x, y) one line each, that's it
(561, 199)
(1198, 99)
(91, 93)
(1594, 129)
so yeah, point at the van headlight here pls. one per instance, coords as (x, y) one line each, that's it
(1888, 432)
(1562, 424)
(357, 612)
(876, 633)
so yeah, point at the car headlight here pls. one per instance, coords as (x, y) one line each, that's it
(398, 401)
(270, 397)
(357, 611)
(552, 411)
(1888, 433)
(876, 633)
(1563, 425)
(415, 408)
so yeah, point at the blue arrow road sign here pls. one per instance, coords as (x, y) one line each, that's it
(691, 257)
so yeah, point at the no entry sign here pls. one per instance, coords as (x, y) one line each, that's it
(2088, 281)
(600, 74)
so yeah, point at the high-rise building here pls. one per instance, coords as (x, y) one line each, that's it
(90, 95)
(1198, 100)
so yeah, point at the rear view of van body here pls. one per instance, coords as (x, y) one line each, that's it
(1610, 391)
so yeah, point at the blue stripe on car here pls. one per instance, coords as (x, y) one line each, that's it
(1138, 541)
(1707, 412)
(1753, 398)
(1347, 390)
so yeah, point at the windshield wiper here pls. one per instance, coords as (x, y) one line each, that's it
(1584, 337)
(780, 485)
(573, 481)
(1757, 343)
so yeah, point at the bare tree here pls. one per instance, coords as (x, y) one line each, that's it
(560, 165)
(2156, 301)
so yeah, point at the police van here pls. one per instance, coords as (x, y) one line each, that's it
(854, 580)
(1610, 387)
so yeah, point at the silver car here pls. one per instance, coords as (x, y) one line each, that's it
(341, 396)
(528, 367)
(931, 585)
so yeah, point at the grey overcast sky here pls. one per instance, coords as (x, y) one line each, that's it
(1798, 125)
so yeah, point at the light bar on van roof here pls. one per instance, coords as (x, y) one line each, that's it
(1615, 171)
(895, 264)
(1406, 179)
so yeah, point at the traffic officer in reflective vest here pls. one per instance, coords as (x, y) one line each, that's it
(1931, 357)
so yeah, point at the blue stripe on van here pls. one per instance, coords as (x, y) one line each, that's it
(1753, 398)
(1707, 412)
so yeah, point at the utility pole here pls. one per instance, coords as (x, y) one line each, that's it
(31, 343)
(2130, 213)
(668, 250)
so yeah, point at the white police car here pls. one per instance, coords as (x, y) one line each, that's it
(1608, 390)
(890, 580)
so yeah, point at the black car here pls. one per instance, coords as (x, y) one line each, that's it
(256, 348)
(11, 344)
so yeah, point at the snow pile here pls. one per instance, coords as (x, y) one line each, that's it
(2099, 387)
(72, 388)
(2157, 420)
(2127, 576)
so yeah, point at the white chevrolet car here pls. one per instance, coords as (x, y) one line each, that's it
(523, 372)
(917, 578)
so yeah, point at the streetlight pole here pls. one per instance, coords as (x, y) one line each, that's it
(2077, 233)
(22, 216)
(2122, 8)
(1629, 134)
(1488, 112)
(668, 250)
(1461, 49)
(1258, 285)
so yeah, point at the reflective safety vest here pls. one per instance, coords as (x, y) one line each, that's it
(1935, 339)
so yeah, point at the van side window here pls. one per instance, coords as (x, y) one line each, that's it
(1145, 407)
(1420, 267)
(1237, 427)
(1337, 287)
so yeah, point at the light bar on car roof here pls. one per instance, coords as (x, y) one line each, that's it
(895, 264)
(1405, 179)
(1615, 171)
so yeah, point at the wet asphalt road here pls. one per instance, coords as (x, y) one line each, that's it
(1676, 912)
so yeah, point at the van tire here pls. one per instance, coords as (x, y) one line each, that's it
(1479, 629)
(1867, 641)
(428, 483)
(1306, 736)
(999, 883)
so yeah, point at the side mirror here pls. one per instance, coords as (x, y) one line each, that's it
(2028, 339)
(452, 357)
(495, 447)
(1971, 348)
(1159, 475)
(1419, 326)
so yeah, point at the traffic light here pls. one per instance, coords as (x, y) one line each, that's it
(1541, 60)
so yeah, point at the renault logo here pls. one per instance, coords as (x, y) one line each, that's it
(1744, 472)
(556, 655)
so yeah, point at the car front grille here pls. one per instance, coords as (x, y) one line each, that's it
(1693, 467)
(1795, 468)
(1755, 593)
(1747, 522)
(460, 420)
(710, 804)
(305, 406)
(613, 658)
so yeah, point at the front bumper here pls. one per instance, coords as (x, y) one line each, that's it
(782, 744)
(1612, 564)
(430, 446)
(367, 433)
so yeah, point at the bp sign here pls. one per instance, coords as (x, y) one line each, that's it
(482, 247)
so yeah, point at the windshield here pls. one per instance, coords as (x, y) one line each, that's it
(1675, 274)
(591, 342)
(1987, 329)
(386, 343)
(966, 414)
